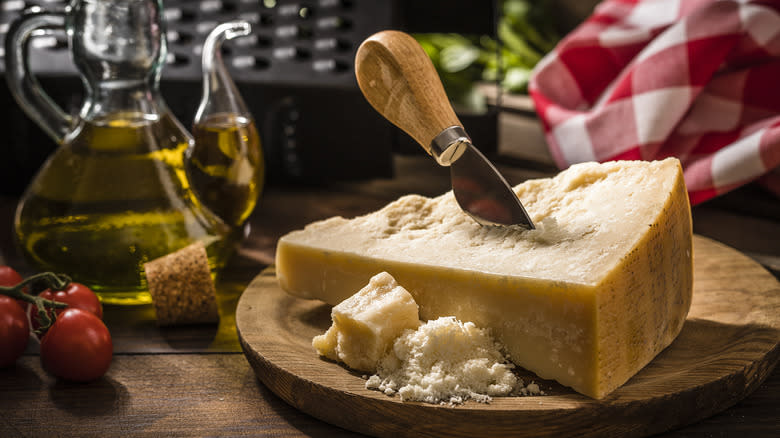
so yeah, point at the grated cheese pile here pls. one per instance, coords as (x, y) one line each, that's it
(445, 361)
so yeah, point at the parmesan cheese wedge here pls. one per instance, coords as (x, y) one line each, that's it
(588, 298)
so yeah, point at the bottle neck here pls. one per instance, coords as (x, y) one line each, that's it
(123, 98)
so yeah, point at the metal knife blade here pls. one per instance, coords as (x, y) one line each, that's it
(480, 189)
(483, 193)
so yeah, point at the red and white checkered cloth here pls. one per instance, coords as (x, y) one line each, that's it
(649, 79)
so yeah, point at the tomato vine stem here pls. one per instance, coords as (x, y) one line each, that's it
(50, 280)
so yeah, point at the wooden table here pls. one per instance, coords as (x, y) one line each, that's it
(194, 381)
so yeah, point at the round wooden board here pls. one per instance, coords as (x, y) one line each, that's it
(729, 344)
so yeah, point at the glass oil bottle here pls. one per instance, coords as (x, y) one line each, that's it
(115, 193)
(225, 164)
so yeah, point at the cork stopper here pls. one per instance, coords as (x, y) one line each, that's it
(182, 288)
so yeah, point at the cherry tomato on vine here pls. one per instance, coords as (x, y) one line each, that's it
(14, 330)
(77, 346)
(9, 276)
(75, 295)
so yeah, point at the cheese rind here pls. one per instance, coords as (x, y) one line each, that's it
(588, 299)
(366, 324)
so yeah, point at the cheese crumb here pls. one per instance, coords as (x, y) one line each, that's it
(444, 361)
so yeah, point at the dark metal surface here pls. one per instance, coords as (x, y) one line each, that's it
(484, 194)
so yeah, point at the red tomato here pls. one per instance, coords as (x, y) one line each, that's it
(77, 346)
(9, 277)
(76, 296)
(14, 330)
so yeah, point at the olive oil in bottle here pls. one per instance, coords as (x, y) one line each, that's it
(111, 198)
(225, 164)
(226, 167)
(115, 194)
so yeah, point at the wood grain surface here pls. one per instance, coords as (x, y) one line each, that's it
(399, 80)
(728, 346)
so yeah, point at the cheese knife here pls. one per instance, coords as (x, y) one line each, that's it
(399, 80)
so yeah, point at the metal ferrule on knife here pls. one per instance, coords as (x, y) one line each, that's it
(449, 145)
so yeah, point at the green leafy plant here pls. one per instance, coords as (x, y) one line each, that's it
(525, 34)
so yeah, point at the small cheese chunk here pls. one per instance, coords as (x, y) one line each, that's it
(366, 324)
(588, 298)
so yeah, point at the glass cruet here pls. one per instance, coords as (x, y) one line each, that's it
(225, 164)
(114, 194)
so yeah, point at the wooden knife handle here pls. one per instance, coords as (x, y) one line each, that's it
(400, 82)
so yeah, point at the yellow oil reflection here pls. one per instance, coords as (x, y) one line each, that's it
(228, 293)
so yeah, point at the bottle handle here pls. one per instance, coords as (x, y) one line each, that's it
(22, 83)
